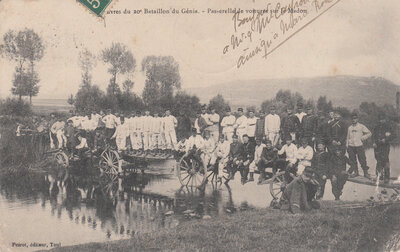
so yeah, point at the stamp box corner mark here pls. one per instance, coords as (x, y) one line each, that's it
(97, 7)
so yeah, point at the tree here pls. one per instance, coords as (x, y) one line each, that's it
(23, 47)
(162, 79)
(87, 61)
(323, 104)
(121, 61)
(186, 105)
(89, 98)
(127, 86)
(219, 104)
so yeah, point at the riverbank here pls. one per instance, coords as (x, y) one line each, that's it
(331, 228)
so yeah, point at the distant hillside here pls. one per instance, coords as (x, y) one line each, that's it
(348, 91)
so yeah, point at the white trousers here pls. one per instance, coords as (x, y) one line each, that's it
(170, 139)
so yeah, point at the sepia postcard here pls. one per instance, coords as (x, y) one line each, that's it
(199, 125)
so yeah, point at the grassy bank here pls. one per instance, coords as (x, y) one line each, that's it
(330, 229)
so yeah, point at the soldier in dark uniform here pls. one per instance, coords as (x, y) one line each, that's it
(309, 126)
(320, 164)
(269, 156)
(337, 133)
(235, 157)
(260, 132)
(184, 127)
(248, 157)
(322, 129)
(338, 174)
(290, 125)
(382, 136)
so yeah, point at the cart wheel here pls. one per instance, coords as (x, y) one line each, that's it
(191, 172)
(277, 185)
(109, 162)
(62, 159)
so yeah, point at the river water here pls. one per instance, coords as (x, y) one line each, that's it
(40, 208)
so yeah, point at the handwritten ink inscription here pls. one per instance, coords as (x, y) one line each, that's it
(258, 33)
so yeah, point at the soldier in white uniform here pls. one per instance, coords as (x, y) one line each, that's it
(213, 122)
(241, 125)
(272, 126)
(251, 126)
(139, 131)
(146, 129)
(222, 153)
(227, 124)
(170, 124)
(156, 129)
(120, 135)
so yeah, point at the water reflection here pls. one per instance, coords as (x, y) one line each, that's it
(80, 205)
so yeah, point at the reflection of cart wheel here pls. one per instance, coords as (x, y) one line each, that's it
(191, 172)
(62, 159)
(109, 162)
(277, 185)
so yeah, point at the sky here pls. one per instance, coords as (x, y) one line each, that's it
(354, 37)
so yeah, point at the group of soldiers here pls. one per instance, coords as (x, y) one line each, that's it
(293, 142)
(139, 133)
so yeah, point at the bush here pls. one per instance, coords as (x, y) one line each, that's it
(15, 107)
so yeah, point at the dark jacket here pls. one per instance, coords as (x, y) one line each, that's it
(290, 124)
(320, 163)
(337, 131)
(269, 155)
(379, 134)
(260, 128)
(249, 151)
(309, 125)
(338, 164)
(237, 151)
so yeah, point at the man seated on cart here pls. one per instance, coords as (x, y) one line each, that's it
(257, 158)
(268, 159)
(221, 155)
(82, 147)
(235, 157)
(209, 149)
(248, 157)
(289, 164)
(299, 195)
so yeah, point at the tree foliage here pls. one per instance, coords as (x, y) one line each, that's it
(162, 79)
(24, 46)
(89, 98)
(121, 61)
(219, 104)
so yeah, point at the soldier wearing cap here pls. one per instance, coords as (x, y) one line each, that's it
(299, 195)
(290, 125)
(241, 124)
(272, 126)
(213, 124)
(357, 133)
(227, 124)
(382, 135)
(337, 132)
(309, 126)
(251, 126)
(235, 157)
(300, 113)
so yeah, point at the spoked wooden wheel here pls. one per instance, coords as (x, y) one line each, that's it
(109, 162)
(277, 185)
(191, 172)
(62, 159)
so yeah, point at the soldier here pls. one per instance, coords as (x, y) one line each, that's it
(227, 125)
(221, 154)
(319, 164)
(157, 141)
(257, 158)
(382, 136)
(184, 126)
(300, 113)
(110, 121)
(146, 131)
(322, 131)
(290, 125)
(260, 131)
(357, 133)
(268, 157)
(309, 126)
(170, 124)
(213, 124)
(139, 128)
(304, 154)
(248, 157)
(337, 132)
(235, 157)
(241, 125)
(272, 126)
(251, 126)
(120, 135)
(338, 174)
(290, 151)
(200, 123)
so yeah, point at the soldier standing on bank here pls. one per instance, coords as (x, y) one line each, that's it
(382, 136)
